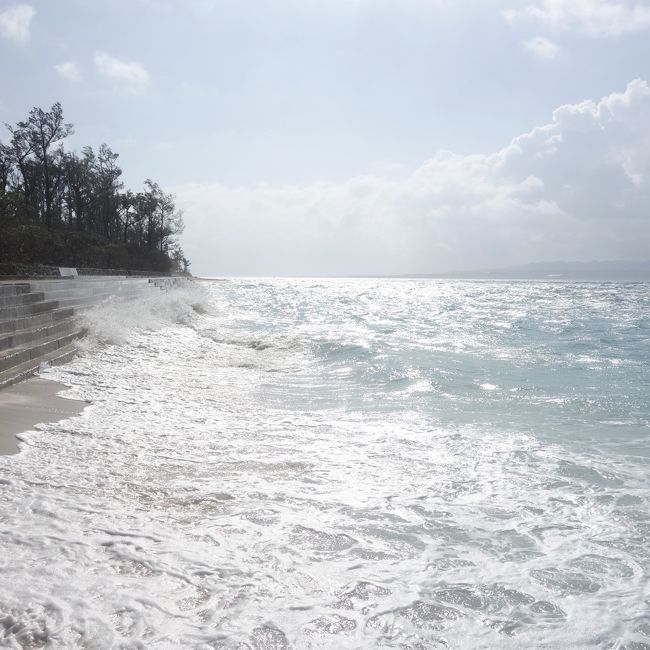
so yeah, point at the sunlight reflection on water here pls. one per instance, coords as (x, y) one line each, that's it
(342, 464)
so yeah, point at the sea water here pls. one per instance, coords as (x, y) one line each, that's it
(270, 464)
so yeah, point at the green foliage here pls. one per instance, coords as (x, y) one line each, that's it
(36, 245)
(10, 208)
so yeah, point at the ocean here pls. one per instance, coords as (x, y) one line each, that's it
(341, 463)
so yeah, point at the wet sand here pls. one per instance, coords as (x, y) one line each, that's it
(32, 402)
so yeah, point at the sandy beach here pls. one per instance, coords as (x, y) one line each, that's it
(35, 401)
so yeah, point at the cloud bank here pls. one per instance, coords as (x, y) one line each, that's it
(15, 22)
(576, 188)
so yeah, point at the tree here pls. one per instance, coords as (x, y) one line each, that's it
(78, 199)
(6, 167)
(43, 130)
(20, 149)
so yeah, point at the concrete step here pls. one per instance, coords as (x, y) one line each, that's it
(168, 283)
(30, 322)
(86, 288)
(62, 285)
(25, 370)
(23, 337)
(12, 288)
(102, 291)
(99, 292)
(21, 354)
(20, 299)
(21, 311)
(85, 302)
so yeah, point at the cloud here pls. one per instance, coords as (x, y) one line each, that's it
(69, 70)
(542, 48)
(596, 18)
(575, 188)
(129, 76)
(15, 22)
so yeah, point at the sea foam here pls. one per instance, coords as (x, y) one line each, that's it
(323, 464)
(114, 320)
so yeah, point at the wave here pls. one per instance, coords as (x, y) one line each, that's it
(114, 320)
(270, 341)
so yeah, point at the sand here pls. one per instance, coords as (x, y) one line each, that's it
(31, 402)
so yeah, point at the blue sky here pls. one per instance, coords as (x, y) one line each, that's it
(308, 136)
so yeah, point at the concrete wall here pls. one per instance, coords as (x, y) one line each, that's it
(38, 321)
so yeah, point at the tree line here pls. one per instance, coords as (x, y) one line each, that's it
(68, 208)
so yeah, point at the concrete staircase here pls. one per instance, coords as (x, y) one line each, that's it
(37, 318)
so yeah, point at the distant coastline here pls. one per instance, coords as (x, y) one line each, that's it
(596, 271)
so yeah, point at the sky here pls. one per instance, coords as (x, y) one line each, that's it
(359, 137)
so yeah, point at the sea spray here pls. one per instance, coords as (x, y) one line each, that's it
(114, 320)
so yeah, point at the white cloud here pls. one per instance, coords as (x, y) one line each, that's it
(576, 188)
(129, 76)
(596, 18)
(542, 48)
(69, 70)
(15, 22)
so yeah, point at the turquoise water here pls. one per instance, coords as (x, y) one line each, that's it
(343, 464)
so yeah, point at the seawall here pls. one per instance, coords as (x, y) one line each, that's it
(39, 318)
(39, 324)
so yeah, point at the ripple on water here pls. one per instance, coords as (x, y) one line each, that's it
(418, 614)
(319, 540)
(564, 581)
(599, 565)
(486, 598)
(360, 593)
(267, 638)
(330, 624)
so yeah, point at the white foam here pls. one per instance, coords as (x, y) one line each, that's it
(115, 320)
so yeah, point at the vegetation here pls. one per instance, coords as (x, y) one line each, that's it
(65, 208)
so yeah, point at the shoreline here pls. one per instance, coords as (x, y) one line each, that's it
(31, 402)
